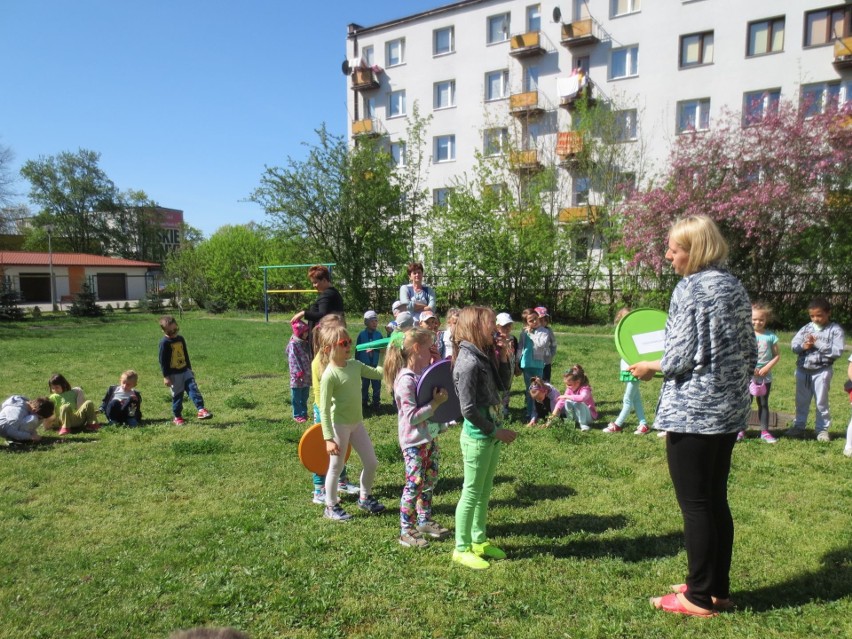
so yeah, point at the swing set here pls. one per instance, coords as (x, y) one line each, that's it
(267, 290)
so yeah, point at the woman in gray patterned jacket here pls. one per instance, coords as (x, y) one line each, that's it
(709, 355)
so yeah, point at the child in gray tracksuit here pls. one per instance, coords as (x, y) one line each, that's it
(21, 417)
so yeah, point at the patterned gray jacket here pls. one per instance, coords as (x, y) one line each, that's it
(709, 356)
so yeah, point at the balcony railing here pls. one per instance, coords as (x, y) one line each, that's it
(579, 33)
(364, 80)
(843, 53)
(526, 160)
(526, 44)
(569, 144)
(370, 127)
(578, 214)
(525, 104)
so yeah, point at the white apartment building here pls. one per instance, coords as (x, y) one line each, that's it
(485, 69)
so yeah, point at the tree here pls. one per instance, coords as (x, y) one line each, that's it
(138, 222)
(345, 205)
(779, 189)
(78, 199)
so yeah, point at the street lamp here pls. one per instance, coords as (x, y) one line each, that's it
(49, 229)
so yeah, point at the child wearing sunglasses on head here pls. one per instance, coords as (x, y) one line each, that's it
(342, 418)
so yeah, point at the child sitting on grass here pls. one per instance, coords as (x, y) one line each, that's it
(73, 411)
(122, 403)
(577, 401)
(20, 417)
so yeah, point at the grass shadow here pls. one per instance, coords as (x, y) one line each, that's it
(629, 549)
(561, 525)
(46, 442)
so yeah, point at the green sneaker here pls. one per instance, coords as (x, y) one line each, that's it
(485, 549)
(467, 558)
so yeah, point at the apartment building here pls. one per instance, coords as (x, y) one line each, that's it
(486, 70)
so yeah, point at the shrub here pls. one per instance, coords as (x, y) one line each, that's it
(126, 307)
(85, 304)
(216, 306)
(36, 312)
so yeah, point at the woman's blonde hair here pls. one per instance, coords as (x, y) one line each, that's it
(699, 236)
(471, 327)
(399, 352)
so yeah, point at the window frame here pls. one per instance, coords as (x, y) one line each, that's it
(500, 135)
(532, 14)
(845, 11)
(368, 54)
(702, 112)
(626, 125)
(398, 158)
(506, 30)
(450, 139)
(452, 46)
(771, 24)
(833, 94)
(635, 6)
(402, 104)
(631, 61)
(441, 196)
(770, 101)
(452, 88)
(388, 45)
(504, 81)
(702, 49)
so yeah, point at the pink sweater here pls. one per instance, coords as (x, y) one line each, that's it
(583, 395)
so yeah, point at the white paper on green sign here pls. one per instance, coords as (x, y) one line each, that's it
(649, 342)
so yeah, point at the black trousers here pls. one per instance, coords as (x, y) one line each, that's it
(763, 407)
(699, 466)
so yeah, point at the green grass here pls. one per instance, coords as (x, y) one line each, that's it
(138, 532)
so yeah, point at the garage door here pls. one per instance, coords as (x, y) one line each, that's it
(112, 286)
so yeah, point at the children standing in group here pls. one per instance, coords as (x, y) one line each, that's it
(445, 337)
(406, 359)
(370, 358)
(768, 355)
(577, 400)
(632, 399)
(299, 362)
(505, 324)
(532, 347)
(817, 344)
(20, 418)
(550, 347)
(342, 419)
(73, 411)
(177, 371)
(480, 377)
(122, 404)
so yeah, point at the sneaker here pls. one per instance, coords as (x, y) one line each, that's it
(468, 559)
(93, 427)
(178, 421)
(847, 451)
(766, 436)
(300, 419)
(349, 489)
(433, 529)
(319, 497)
(370, 505)
(64, 431)
(532, 423)
(336, 513)
(413, 539)
(612, 428)
(585, 427)
(203, 413)
(740, 436)
(642, 429)
(485, 549)
(662, 433)
(823, 436)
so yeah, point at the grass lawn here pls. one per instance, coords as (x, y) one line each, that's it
(138, 532)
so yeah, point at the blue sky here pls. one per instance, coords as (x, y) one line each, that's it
(186, 100)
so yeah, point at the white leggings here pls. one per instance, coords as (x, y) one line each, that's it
(355, 434)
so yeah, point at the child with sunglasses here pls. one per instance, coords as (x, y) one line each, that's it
(342, 419)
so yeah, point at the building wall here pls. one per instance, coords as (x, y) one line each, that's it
(68, 280)
(654, 91)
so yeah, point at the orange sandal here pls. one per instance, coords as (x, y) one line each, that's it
(722, 605)
(672, 603)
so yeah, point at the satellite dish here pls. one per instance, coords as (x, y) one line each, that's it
(345, 68)
(557, 14)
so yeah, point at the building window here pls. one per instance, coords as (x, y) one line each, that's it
(395, 52)
(581, 191)
(396, 103)
(695, 49)
(444, 94)
(765, 36)
(826, 25)
(443, 41)
(534, 18)
(693, 115)
(397, 153)
(368, 55)
(369, 107)
(496, 141)
(582, 62)
(624, 63)
(824, 96)
(622, 7)
(496, 85)
(441, 197)
(498, 28)
(531, 79)
(625, 125)
(445, 148)
(759, 104)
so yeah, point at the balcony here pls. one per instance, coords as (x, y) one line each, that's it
(525, 104)
(579, 33)
(578, 214)
(569, 146)
(364, 80)
(843, 53)
(369, 127)
(525, 161)
(526, 45)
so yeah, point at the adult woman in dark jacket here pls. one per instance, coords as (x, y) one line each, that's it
(329, 300)
(709, 355)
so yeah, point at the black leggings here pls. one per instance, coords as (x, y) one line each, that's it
(699, 467)
(763, 407)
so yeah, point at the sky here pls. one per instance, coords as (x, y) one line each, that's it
(187, 100)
